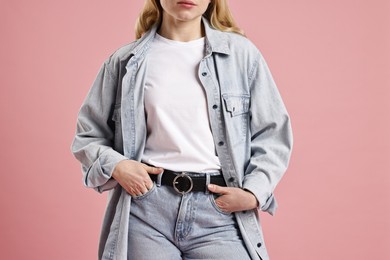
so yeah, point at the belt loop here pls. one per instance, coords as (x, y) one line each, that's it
(159, 178)
(207, 183)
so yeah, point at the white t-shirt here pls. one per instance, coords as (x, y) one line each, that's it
(179, 135)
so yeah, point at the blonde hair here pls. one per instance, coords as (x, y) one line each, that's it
(218, 14)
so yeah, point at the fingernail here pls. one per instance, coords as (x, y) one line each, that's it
(211, 186)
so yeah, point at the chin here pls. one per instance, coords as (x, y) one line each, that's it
(187, 18)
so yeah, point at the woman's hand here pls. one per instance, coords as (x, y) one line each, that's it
(134, 177)
(233, 199)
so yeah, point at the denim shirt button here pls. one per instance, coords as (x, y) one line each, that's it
(221, 143)
(231, 179)
(204, 74)
(215, 107)
(258, 244)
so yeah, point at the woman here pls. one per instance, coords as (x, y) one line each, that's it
(186, 129)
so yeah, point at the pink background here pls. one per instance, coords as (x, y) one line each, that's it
(330, 59)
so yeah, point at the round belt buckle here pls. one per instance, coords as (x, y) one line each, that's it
(179, 179)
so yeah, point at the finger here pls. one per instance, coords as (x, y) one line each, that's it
(220, 204)
(149, 184)
(218, 189)
(153, 170)
(131, 191)
(140, 188)
(136, 192)
(144, 190)
(136, 189)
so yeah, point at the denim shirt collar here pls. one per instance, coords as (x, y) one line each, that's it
(216, 41)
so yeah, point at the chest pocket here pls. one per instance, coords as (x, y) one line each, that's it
(237, 110)
(236, 104)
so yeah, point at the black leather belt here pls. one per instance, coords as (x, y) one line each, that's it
(184, 183)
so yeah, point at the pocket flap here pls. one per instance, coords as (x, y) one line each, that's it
(236, 104)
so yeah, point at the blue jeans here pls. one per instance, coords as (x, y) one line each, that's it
(165, 225)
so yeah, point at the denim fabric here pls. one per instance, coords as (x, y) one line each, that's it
(165, 225)
(249, 122)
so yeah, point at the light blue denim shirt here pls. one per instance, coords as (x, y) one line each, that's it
(249, 124)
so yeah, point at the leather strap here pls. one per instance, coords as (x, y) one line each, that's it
(184, 183)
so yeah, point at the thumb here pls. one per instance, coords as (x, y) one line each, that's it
(153, 170)
(217, 189)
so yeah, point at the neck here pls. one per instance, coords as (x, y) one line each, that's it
(181, 31)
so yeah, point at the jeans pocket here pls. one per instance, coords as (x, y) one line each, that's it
(145, 195)
(213, 197)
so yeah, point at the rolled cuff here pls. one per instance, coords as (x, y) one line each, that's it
(99, 174)
(264, 196)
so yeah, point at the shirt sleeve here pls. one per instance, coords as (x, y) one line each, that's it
(93, 142)
(271, 137)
